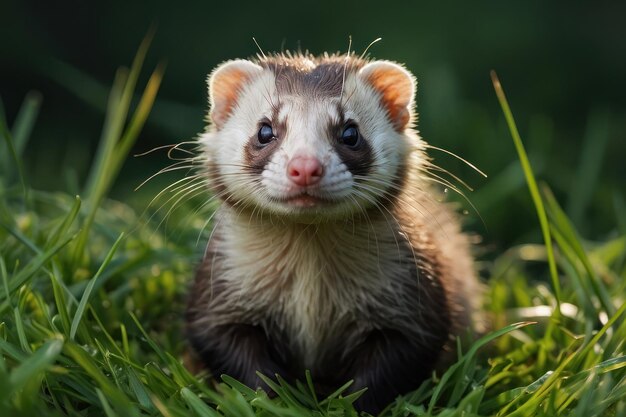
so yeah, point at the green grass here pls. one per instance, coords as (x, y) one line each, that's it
(92, 294)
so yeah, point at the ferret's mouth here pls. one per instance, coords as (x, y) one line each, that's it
(305, 201)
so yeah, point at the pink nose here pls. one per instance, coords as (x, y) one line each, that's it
(305, 170)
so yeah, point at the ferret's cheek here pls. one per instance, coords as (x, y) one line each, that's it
(274, 179)
(229, 143)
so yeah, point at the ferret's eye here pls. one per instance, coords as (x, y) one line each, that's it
(266, 134)
(350, 136)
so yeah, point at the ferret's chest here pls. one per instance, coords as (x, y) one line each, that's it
(314, 285)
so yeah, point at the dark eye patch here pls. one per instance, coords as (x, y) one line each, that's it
(351, 146)
(359, 160)
(263, 143)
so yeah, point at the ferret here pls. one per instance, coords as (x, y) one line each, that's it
(331, 251)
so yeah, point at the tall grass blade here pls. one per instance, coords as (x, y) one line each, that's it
(17, 162)
(139, 119)
(532, 186)
(25, 121)
(117, 111)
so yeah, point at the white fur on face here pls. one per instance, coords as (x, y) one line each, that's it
(307, 120)
(307, 135)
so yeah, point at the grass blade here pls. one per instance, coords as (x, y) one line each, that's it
(139, 119)
(64, 226)
(8, 140)
(197, 405)
(85, 298)
(532, 186)
(25, 121)
(116, 116)
(38, 362)
(33, 267)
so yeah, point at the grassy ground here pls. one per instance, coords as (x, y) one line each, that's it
(91, 295)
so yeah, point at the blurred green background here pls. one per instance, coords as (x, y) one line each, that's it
(563, 67)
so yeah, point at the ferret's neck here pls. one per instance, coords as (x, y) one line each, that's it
(358, 247)
(256, 226)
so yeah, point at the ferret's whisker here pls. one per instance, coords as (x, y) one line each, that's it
(148, 152)
(469, 164)
(170, 168)
(369, 46)
(174, 186)
(259, 46)
(428, 167)
(345, 67)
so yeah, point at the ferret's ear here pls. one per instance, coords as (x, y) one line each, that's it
(225, 85)
(396, 86)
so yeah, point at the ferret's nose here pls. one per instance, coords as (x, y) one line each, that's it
(305, 170)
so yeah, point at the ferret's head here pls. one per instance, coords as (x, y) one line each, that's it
(309, 138)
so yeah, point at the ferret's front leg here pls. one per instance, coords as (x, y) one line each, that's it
(389, 364)
(239, 351)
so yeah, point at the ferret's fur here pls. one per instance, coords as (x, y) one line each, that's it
(364, 275)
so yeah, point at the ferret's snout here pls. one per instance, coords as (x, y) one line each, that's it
(305, 170)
